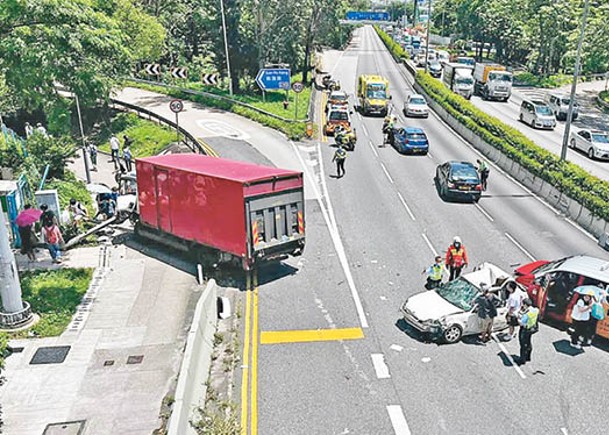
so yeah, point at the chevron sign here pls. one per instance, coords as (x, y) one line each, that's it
(153, 69)
(179, 73)
(210, 79)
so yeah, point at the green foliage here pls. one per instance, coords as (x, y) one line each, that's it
(223, 421)
(52, 151)
(394, 48)
(54, 296)
(58, 117)
(70, 187)
(3, 348)
(569, 178)
(553, 81)
(604, 95)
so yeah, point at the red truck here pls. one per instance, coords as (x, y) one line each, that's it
(219, 210)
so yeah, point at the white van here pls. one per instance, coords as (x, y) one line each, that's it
(559, 103)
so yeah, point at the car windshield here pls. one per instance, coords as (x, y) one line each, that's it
(377, 91)
(459, 292)
(465, 81)
(417, 101)
(339, 115)
(565, 102)
(498, 77)
(416, 136)
(466, 61)
(600, 138)
(464, 173)
(543, 110)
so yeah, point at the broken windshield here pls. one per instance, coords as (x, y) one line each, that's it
(459, 292)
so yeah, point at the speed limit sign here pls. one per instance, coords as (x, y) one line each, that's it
(297, 87)
(176, 106)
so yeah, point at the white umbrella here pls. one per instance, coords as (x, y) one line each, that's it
(96, 189)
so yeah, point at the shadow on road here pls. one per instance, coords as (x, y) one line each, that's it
(564, 347)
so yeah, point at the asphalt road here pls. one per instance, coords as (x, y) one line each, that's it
(385, 216)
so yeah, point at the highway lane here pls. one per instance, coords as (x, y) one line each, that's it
(381, 234)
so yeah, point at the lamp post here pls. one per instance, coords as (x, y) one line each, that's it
(85, 157)
(428, 35)
(565, 138)
(230, 80)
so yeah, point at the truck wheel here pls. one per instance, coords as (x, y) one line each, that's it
(452, 334)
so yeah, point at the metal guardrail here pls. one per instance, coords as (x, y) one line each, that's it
(193, 143)
(221, 98)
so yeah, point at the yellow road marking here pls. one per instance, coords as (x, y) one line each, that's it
(254, 387)
(324, 98)
(308, 335)
(208, 149)
(245, 360)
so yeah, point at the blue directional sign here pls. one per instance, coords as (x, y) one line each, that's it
(273, 78)
(367, 16)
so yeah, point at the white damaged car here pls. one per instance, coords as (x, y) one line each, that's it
(448, 312)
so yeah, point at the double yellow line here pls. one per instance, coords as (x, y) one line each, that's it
(249, 377)
(322, 118)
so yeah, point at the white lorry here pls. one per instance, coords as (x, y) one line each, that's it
(458, 78)
(493, 82)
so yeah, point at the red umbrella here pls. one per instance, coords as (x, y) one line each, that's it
(28, 217)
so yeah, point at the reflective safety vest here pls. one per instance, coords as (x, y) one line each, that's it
(435, 272)
(456, 257)
(340, 154)
(531, 317)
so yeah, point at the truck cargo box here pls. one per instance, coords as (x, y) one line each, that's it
(247, 210)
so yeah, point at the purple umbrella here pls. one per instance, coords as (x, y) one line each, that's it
(28, 217)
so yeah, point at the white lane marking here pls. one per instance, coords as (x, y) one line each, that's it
(359, 115)
(429, 155)
(403, 201)
(324, 187)
(365, 130)
(381, 369)
(564, 431)
(396, 347)
(373, 148)
(484, 212)
(435, 253)
(508, 356)
(519, 246)
(387, 173)
(398, 421)
(338, 244)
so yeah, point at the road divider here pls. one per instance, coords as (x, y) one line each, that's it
(310, 335)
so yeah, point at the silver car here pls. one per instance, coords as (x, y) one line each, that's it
(595, 143)
(537, 114)
(415, 105)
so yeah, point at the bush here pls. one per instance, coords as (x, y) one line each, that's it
(394, 48)
(604, 95)
(554, 81)
(569, 178)
(70, 187)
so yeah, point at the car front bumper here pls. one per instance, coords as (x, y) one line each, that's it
(431, 330)
(467, 195)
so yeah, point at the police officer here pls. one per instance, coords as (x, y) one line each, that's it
(456, 258)
(528, 327)
(339, 157)
(434, 273)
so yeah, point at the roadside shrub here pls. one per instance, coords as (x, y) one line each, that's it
(588, 190)
(394, 48)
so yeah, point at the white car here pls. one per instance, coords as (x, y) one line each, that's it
(537, 114)
(415, 105)
(593, 142)
(448, 312)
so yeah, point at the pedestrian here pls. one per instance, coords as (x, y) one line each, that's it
(127, 141)
(580, 315)
(487, 311)
(339, 157)
(40, 129)
(29, 130)
(529, 317)
(483, 170)
(54, 240)
(127, 157)
(434, 273)
(47, 218)
(28, 238)
(114, 148)
(93, 156)
(514, 303)
(456, 258)
(78, 212)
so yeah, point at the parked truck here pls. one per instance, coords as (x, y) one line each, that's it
(219, 210)
(458, 78)
(373, 94)
(492, 81)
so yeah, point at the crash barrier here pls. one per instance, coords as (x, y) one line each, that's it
(193, 143)
(567, 206)
(221, 98)
(192, 379)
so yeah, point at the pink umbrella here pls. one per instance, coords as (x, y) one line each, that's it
(28, 217)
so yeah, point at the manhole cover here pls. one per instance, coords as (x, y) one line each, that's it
(65, 428)
(50, 355)
(135, 359)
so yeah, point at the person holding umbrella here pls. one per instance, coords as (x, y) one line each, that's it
(25, 222)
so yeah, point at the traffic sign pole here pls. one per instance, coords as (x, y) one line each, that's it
(177, 128)
(296, 108)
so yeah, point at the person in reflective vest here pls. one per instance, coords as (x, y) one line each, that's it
(528, 326)
(339, 157)
(456, 258)
(434, 273)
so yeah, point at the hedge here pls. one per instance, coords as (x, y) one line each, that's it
(588, 190)
(394, 48)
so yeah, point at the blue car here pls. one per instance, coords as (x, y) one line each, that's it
(411, 140)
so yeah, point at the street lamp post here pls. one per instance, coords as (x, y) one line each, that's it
(230, 80)
(428, 35)
(85, 157)
(565, 138)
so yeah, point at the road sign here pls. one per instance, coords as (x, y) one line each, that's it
(179, 73)
(176, 106)
(210, 79)
(367, 16)
(153, 69)
(297, 87)
(273, 78)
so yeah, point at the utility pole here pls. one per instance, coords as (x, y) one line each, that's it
(565, 138)
(10, 288)
(85, 157)
(428, 36)
(414, 13)
(230, 79)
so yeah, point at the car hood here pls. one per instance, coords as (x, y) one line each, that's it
(430, 306)
(527, 269)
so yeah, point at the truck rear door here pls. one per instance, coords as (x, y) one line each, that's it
(275, 222)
